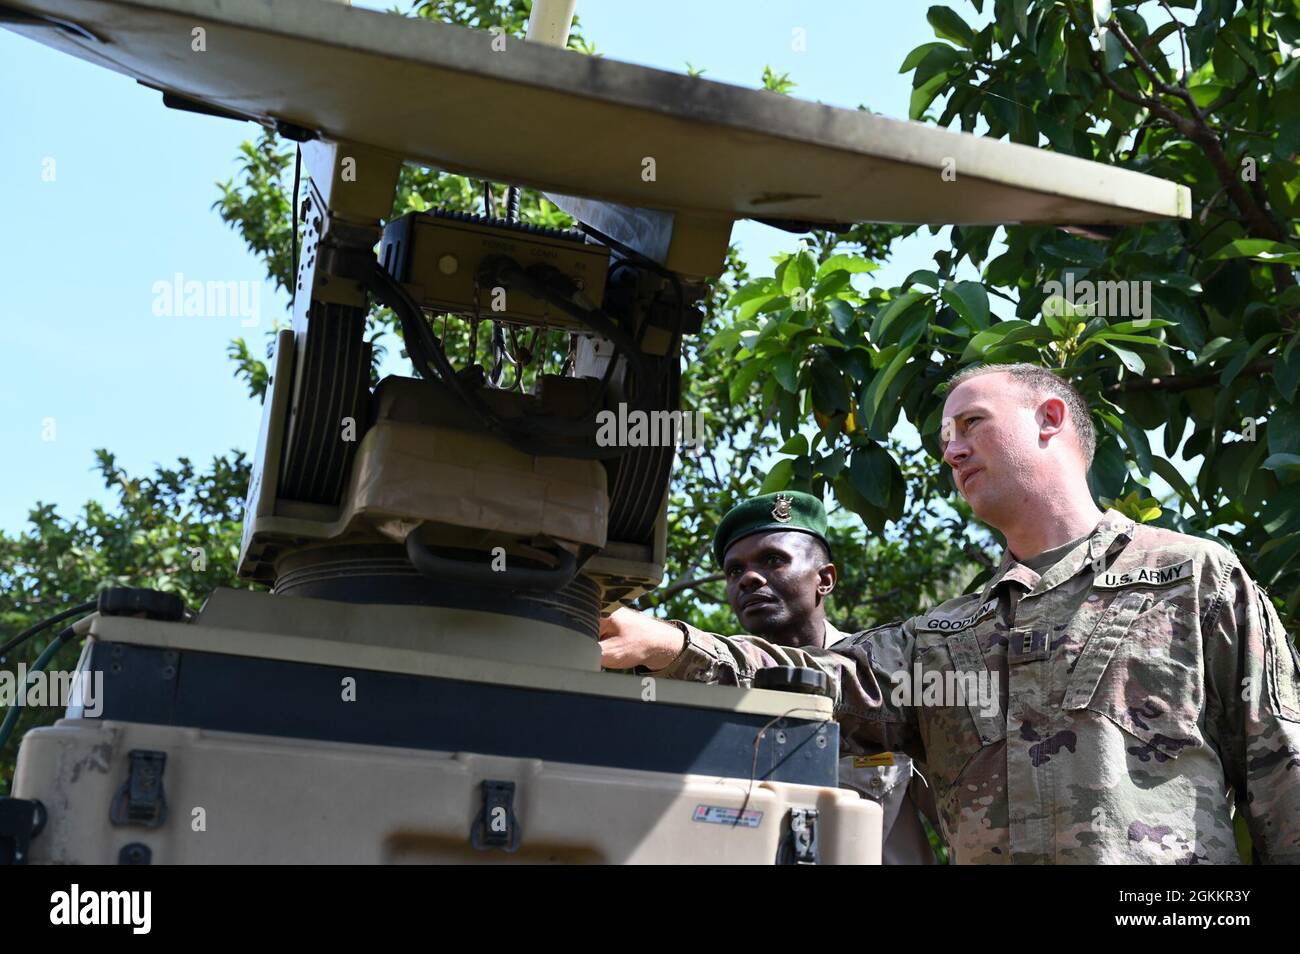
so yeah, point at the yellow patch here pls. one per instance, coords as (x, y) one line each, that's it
(873, 761)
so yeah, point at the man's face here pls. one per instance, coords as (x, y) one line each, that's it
(991, 441)
(773, 579)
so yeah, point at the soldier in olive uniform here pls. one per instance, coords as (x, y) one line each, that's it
(776, 562)
(1141, 686)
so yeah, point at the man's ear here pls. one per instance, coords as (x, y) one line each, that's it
(827, 575)
(1051, 418)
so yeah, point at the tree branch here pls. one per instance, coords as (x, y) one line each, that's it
(1182, 37)
(1199, 131)
(682, 585)
(1259, 220)
(1186, 382)
(1178, 92)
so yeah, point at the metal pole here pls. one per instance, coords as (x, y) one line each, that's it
(550, 22)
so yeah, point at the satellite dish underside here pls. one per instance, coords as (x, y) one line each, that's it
(579, 125)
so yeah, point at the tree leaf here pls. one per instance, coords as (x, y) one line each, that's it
(882, 381)
(830, 393)
(924, 95)
(1129, 359)
(842, 314)
(1286, 463)
(853, 264)
(778, 478)
(970, 301)
(1138, 444)
(1074, 251)
(1239, 362)
(870, 472)
(893, 323)
(1261, 250)
(914, 58)
(1286, 373)
(799, 272)
(763, 288)
(921, 276)
(739, 385)
(848, 495)
(751, 306)
(1174, 479)
(796, 445)
(783, 370)
(949, 25)
(1109, 469)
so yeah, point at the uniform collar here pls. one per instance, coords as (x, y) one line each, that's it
(1113, 528)
(832, 636)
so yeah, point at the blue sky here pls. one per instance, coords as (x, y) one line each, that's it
(84, 360)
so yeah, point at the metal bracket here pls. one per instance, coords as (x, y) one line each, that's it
(496, 825)
(799, 846)
(141, 799)
(21, 820)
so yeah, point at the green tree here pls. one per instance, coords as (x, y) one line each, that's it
(177, 530)
(1209, 99)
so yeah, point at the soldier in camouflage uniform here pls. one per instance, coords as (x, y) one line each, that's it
(1109, 696)
(776, 563)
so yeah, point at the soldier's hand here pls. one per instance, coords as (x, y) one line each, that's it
(629, 638)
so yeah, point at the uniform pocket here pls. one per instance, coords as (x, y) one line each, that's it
(956, 724)
(1140, 669)
(1282, 662)
(978, 687)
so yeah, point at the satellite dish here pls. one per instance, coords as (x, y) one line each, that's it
(580, 125)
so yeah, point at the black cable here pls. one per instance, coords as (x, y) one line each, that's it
(45, 624)
(488, 210)
(512, 204)
(43, 660)
(646, 262)
(627, 251)
(498, 353)
(508, 272)
(293, 216)
(430, 361)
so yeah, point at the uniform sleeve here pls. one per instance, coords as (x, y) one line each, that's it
(862, 670)
(1255, 692)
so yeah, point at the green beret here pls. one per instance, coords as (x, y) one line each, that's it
(786, 510)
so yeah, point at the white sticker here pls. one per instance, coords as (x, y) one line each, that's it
(721, 815)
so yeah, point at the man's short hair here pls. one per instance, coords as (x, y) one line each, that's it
(818, 549)
(1039, 381)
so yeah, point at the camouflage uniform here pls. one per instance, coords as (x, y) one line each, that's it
(885, 779)
(1139, 678)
